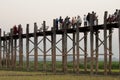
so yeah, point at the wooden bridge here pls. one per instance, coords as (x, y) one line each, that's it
(11, 46)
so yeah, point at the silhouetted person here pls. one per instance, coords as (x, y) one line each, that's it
(116, 14)
(96, 20)
(19, 29)
(73, 22)
(61, 22)
(85, 20)
(93, 17)
(15, 30)
(88, 18)
(79, 20)
(67, 21)
(56, 23)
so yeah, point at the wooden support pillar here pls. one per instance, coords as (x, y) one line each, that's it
(0, 50)
(85, 48)
(63, 52)
(105, 43)
(15, 52)
(9, 60)
(20, 47)
(97, 51)
(74, 64)
(110, 50)
(35, 48)
(65, 44)
(119, 38)
(91, 44)
(4, 60)
(53, 48)
(77, 49)
(6, 52)
(44, 45)
(64, 49)
(11, 43)
(27, 47)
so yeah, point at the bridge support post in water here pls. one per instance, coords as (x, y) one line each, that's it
(77, 49)
(119, 38)
(20, 47)
(64, 54)
(74, 54)
(91, 44)
(53, 38)
(97, 51)
(110, 50)
(27, 48)
(85, 53)
(11, 43)
(0, 50)
(105, 43)
(35, 48)
(44, 45)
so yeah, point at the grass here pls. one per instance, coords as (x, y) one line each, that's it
(17, 75)
(115, 66)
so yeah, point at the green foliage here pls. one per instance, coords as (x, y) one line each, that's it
(59, 66)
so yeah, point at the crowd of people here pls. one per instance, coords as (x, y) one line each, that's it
(67, 22)
(73, 22)
(94, 19)
(60, 23)
(113, 17)
(16, 29)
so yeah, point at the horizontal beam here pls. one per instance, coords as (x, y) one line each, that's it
(81, 29)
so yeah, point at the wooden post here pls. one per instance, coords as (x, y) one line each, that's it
(110, 50)
(77, 48)
(119, 39)
(63, 69)
(52, 51)
(74, 64)
(65, 48)
(44, 44)
(35, 48)
(9, 60)
(15, 52)
(20, 47)
(0, 50)
(65, 44)
(27, 47)
(85, 48)
(91, 43)
(11, 43)
(54, 48)
(97, 50)
(4, 51)
(105, 43)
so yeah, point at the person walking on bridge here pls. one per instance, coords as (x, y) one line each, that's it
(79, 21)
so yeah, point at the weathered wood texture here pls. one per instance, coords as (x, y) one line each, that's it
(105, 43)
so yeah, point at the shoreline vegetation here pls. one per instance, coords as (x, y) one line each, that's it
(114, 67)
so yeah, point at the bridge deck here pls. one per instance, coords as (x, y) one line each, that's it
(81, 29)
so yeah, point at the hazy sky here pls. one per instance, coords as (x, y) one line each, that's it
(29, 11)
